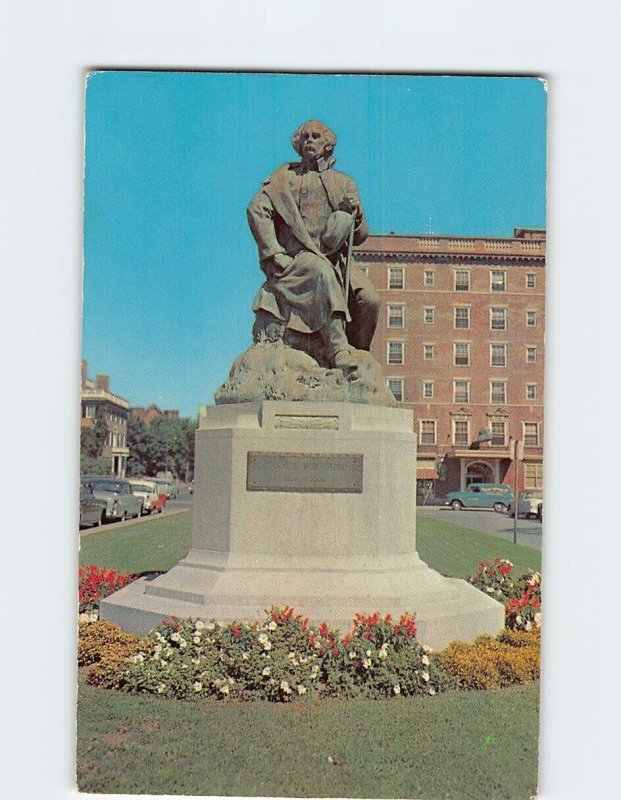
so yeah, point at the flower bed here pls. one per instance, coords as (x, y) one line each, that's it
(95, 583)
(522, 596)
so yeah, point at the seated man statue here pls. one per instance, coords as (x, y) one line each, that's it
(305, 219)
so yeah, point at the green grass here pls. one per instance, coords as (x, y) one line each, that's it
(467, 745)
(151, 545)
(453, 550)
(159, 543)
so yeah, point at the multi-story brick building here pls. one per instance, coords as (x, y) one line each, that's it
(96, 394)
(148, 414)
(462, 343)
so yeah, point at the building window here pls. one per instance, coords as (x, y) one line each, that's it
(462, 317)
(428, 390)
(498, 354)
(531, 355)
(531, 391)
(365, 270)
(429, 316)
(461, 354)
(531, 319)
(395, 352)
(498, 392)
(498, 280)
(396, 278)
(531, 434)
(461, 391)
(396, 387)
(461, 434)
(533, 475)
(89, 411)
(396, 316)
(498, 319)
(499, 434)
(531, 280)
(427, 431)
(462, 280)
(430, 277)
(429, 351)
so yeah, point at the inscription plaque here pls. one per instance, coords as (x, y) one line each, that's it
(304, 472)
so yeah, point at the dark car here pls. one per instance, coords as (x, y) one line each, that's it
(92, 509)
(117, 494)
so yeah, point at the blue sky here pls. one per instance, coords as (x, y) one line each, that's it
(172, 159)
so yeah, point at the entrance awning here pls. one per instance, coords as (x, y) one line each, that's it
(427, 474)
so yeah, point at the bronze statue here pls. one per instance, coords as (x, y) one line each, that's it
(305, 219)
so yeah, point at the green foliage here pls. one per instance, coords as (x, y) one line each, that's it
(94, 466)
(164, 445)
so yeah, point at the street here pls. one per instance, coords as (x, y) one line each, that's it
(529, 531)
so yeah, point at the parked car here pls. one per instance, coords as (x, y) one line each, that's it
(120, 502)
(529, 503)
(153, 501)
(169, 488)
(92, 509)
(481, 495)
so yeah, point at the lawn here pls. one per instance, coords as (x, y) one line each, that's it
(159, 543)
(467, 745)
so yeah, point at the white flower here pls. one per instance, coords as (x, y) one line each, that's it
(196, 639)
(383, 651)
(272, 626)
(196, 661)
(224, 689)
(427, 649)
(175, 637)
(183, 644)
(538, 620)
(396, 689)
(528, 625)
(432, 690)
(285, 687)
(518, 620)
(368, 654)
(197, 686)
(161, 688)
(210, 626)
(267, 646)
(489, 590)
(425, 676)
(291, 656)
(366, 663)
(301, 689)
(263, 637)
(266, 671)
(231, 680)
(425, 660)
(245, 656)
(199, 625)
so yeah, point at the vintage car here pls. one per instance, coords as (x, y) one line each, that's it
(120, 502)
(153, 501)
(481, 495)
(529, 503)
(92, 509)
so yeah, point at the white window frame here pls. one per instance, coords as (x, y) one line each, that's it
(529, 349)
(533, 284)
(390, 306)
(531, 314)
(492, 286)
(504, 432)
(503, 345)
(425, 395)
(455, 285)
(389, 360)
(461, 327)
(432, 351)
(461, 421)
(460, 363)
(466, 381)
(494, 400)
(401, 389)
(536, 426)
(426, 274)
(393, 271)
(533, 481)
(532, 386)
(431, 310)
(504, 318)
(420, 431)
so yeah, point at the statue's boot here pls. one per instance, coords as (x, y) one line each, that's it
(340, 352)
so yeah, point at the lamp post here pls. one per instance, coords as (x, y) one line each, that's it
(518, 455)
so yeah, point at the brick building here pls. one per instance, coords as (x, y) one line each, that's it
(148, 414)
(96, 394)
(462, 343)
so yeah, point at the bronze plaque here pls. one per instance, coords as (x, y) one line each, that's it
(304, 472)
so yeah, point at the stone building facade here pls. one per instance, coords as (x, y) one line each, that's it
(461, 339)
(96, 394)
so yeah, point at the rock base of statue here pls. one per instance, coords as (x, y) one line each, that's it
(310, 505)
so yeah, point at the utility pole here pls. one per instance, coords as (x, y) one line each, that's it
(518, 454)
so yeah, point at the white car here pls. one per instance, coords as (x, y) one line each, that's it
(150, 494)
(530, 503)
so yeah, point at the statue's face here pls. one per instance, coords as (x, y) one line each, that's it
(313, 141)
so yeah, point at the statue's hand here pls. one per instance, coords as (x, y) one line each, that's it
(280, 262)
(347, 204)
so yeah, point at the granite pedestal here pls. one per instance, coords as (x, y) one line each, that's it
(311, 505)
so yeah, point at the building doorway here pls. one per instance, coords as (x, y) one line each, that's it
(479, 472)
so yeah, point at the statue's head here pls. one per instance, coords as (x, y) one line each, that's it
(314, 140)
